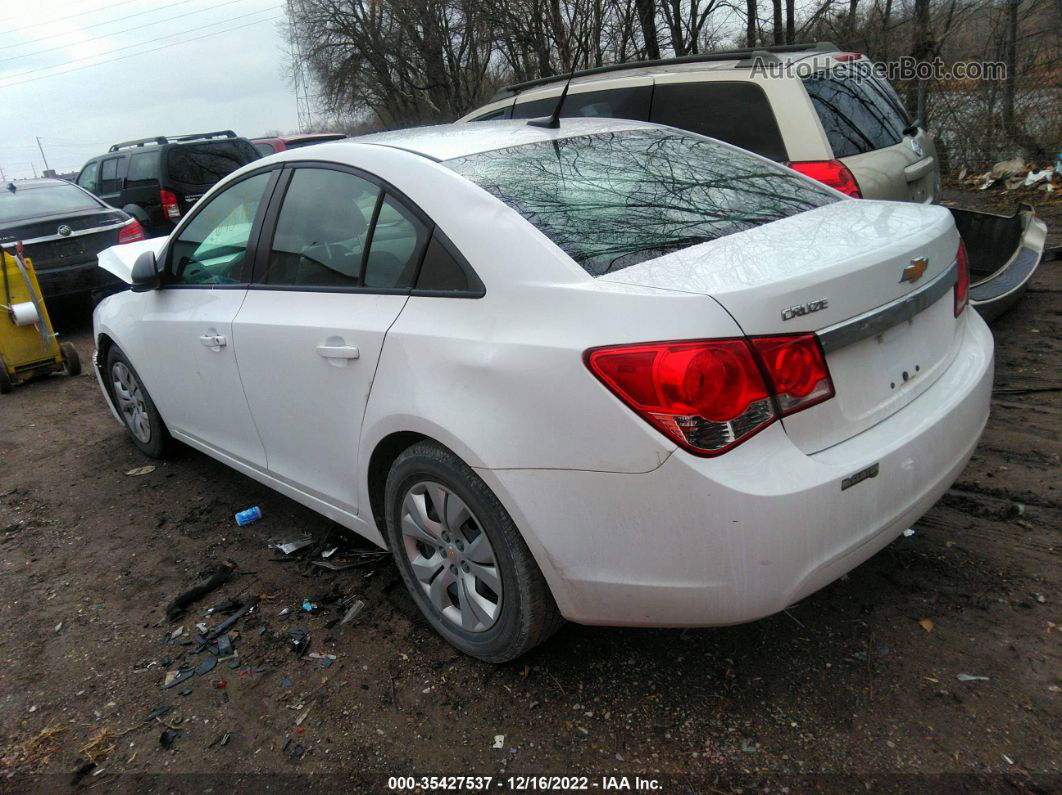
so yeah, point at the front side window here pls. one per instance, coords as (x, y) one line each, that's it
(857, 113)
(87, 178)
(212, 249)
(615, 199)
(111, 173)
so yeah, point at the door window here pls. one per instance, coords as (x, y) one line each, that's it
(325, 235)
(111, 174)
(738, 113)
(87, 178)
(212, 249)
(398, 241)
(614, 103)
(144, 166)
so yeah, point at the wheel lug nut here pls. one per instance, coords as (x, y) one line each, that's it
(464, 566)
(460, 545)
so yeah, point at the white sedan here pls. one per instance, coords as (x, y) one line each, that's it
(611, 372)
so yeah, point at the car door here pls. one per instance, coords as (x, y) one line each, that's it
(331, 280)
(112, 177)
(186, 348)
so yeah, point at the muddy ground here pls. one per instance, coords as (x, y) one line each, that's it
(857, 684)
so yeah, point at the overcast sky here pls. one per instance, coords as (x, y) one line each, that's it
(56, 82)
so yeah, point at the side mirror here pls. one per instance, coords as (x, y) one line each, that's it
(145, 274)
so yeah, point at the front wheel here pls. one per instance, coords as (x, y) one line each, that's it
(135, 406)
(462, 558)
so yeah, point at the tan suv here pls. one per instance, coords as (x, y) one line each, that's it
(819, 110)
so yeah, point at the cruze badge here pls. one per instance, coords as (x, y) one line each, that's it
(804, 309)
(914, 271)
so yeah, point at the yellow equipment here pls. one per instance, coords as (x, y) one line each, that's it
(28, 345)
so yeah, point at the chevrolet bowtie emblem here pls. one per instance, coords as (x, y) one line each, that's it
(914, 271)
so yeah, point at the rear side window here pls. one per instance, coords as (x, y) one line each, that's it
(738, 113)
(398, 240)
(494, 115)
(143, 166)
(857, 112)
(618, 103)
(615, 199)
(264, 150)
(206, 163)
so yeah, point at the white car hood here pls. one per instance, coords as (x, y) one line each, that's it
(118, 260)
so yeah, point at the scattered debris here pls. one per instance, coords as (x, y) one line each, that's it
(308, 606)
(908, 532)
(300, 639)
(329, 552)
(248, 605)
(248, 516)
(224, 646)
(499, 741)
(971, 678)
(326, 659)
(168, 737)
(207, 665)
(145, 470)
(926, 624)
(158, 712)
(58, 627)
(352, 613)
(174, 678)
(220, 576)
(287, 547)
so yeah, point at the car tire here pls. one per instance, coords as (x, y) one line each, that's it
(6, 384)
(135, 406)
(71, 359)
(455, 587)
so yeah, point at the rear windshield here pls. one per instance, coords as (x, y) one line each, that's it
(49, 200)
(208, 162)
(859, 112)
(615, 199)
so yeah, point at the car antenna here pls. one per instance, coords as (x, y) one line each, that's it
(552, 122)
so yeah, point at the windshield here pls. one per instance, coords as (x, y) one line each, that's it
(615, 199)
(43, 200)
(208, 162)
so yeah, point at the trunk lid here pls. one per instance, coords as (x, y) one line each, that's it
(836, 270)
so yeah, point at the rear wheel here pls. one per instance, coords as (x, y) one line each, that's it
(462, 558)
(135, 406)
(6, 385)
(71, 359)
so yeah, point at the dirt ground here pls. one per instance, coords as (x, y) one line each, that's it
(858, 685)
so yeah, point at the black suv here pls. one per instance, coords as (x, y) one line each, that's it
(157, 180)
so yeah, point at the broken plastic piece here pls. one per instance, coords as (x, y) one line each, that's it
(206, 666)
(224, 646)
(355, 608)
(158, 712)
(200, 589)
(288, 547)
(174, 678)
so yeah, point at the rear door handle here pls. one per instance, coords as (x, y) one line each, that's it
(214, 340)
(338, 351)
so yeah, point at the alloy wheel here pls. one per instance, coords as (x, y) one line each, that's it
(130, 397)
(451, 557)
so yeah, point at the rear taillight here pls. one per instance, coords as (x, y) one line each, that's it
(169, 204)
(830, 172)
(962, 280)
(847, 56)
(130, 232)
(711, 395)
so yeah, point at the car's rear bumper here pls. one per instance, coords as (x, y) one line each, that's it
(701, 542)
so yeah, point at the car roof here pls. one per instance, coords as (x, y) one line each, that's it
(447, 141)
(823, 53)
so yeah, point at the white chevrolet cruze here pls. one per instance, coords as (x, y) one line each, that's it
(614, 372)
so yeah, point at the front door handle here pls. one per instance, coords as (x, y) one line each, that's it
(214, 340)
(338, 351)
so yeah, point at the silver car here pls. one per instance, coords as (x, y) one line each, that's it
(819, 110)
